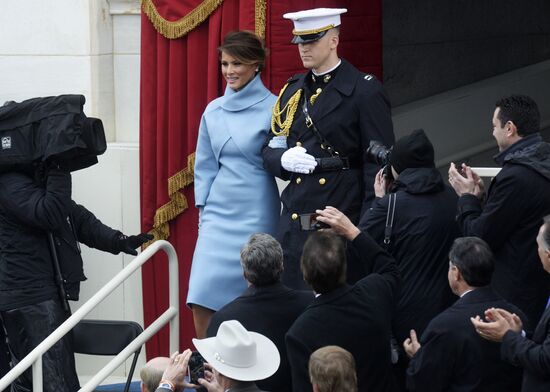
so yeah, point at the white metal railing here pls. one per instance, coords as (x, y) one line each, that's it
(34, 358)
(486, 171)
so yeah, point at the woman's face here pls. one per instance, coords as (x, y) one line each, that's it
(236, 73)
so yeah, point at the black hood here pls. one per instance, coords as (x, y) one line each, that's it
(535, 156)
(419, 180)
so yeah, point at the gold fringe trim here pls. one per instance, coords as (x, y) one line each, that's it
(260, 17)
(176, 205)
(179, 28)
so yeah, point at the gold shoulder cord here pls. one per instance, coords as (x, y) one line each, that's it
(289, 110)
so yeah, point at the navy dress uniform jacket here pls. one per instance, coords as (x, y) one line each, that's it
(270, 310)
(533, 355)
(453, 357)
(352, 110)
(356, 318)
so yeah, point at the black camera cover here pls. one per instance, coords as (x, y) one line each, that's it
(49, 129)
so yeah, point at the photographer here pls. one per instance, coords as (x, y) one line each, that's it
(415, 220)
(356, 318)
(39, 224)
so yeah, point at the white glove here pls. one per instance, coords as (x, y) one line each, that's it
(296, 160)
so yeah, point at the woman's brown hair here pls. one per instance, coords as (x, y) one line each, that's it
(246, 47)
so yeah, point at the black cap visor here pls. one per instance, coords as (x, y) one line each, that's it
(306, 38)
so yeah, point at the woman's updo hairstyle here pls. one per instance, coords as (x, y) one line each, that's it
(246, 47)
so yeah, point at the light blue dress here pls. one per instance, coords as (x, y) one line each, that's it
(237, 196)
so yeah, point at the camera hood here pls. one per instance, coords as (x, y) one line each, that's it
(42, 130)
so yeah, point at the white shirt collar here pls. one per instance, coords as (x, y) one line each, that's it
(330, 70)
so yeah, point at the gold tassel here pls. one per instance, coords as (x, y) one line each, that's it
(179, 28)
(177, 204)
(260, 17)
(289, 110)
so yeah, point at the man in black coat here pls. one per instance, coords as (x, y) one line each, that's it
(450, 355)
(419, 234)
(356, 318)
(267, 306)
(34, 209)
(422, 231)
(515, 203)
(533, 355)
(321, 154)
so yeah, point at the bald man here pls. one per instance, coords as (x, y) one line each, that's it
(151, 373)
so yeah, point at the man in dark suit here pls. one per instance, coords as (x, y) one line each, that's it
(450, 355)
(533, 355)
(356, 318)
(324, 161)
(267, 306)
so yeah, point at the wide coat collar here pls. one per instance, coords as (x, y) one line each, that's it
(251, 94)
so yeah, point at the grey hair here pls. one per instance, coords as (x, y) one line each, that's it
(262, 259)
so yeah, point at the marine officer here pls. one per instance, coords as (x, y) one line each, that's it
(321, 127)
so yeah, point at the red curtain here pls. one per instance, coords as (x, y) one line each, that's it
(178, 78)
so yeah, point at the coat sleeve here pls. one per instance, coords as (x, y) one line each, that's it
(272, 155)
(482, 222)
(430, 369)
(206, 165)
(272, 159)
(526, 353)
(298, 357)
(376, 124)
(378, 261)
(92, 232)
(46, 207)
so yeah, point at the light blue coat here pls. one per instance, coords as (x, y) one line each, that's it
(237, 196)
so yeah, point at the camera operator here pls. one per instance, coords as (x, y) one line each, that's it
(39, 224)
(416, 222)
(356, 318)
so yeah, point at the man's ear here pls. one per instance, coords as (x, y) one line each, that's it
(511, 129)
(457, 275)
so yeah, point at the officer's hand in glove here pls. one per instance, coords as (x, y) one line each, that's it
(129, 244)
(296, 160)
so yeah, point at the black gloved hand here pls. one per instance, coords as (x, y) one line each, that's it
(128, 244)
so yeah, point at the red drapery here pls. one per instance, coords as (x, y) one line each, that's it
(178, 78)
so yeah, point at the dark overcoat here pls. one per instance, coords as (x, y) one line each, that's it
(269, 310)
(423, 231)
(453, 357)
(517, 200)
(356, 318)
(352, 110)
(533, 355)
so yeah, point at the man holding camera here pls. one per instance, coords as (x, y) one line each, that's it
(322, 124)
(415, 220)
(41, 266)
(356, 318)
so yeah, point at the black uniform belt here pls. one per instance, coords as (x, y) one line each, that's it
(335, 163)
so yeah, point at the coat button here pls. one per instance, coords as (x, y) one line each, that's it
(298, 144)
(322, 181)
(294, 216)
(298, 180)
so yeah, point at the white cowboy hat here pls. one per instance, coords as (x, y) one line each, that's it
(239, 354)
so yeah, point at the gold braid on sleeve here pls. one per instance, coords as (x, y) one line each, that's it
(289, 111)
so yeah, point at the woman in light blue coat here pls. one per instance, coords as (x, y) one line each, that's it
(236, 197)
